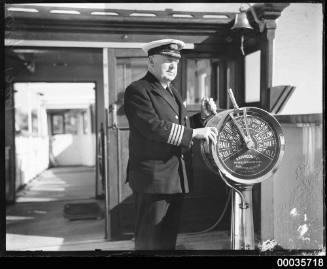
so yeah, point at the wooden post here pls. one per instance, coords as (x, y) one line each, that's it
(267, 46)
(105, 137)
(267, 187)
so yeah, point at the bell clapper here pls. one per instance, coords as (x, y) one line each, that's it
(242, 45)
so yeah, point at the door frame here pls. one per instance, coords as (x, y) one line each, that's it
(13, 150)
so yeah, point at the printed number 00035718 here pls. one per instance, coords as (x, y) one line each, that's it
(300, 262)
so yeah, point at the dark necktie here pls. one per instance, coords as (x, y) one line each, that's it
(170, 91)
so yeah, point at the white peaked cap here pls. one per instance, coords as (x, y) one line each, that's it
(178, 45)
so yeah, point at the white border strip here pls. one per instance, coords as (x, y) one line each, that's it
(79, 44)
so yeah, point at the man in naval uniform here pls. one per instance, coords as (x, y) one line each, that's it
(160, 144)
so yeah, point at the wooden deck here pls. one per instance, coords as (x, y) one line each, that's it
(215, 240)
(36, 222)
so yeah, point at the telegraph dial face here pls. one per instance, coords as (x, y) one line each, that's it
(250, 145)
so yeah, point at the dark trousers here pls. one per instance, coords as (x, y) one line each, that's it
(157, 220)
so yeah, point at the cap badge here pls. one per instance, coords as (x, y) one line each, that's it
(173, 46)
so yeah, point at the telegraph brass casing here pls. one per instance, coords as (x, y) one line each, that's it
(230, 155)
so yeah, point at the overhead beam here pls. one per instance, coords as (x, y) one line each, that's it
(77, 44)
(70, 14)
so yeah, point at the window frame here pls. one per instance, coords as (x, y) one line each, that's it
(62, 115)
(214, 91)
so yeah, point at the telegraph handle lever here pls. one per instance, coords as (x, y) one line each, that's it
(247, 138)
(232, 98)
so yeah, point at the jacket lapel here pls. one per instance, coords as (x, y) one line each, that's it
(157, 87)
(179, 100)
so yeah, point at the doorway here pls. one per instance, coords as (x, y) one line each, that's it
(55, 117)
(60, 119)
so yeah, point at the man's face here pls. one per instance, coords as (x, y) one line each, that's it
(164, 67)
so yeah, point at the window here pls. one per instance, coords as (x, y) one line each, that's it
(198, 80)
(27, 111)
(21, 122)
(128, 70)
(71, 122)
(65, 122)
(35, 121)
(57, 124)
(252, 77)
(86, 125)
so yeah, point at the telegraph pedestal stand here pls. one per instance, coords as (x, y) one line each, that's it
(242, 229)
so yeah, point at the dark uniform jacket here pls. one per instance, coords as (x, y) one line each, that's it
(160, 138)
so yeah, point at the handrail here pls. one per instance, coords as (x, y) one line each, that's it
(314, 118)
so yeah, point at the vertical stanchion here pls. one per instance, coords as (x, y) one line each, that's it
(107, 187)
(242, 231)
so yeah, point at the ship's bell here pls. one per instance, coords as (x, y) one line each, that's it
(242, 26)
(241, 21)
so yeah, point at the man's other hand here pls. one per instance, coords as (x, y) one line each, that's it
(208, 107)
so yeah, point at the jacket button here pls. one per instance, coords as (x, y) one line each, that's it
(176, 117)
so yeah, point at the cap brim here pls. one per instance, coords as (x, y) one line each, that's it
(172, 54)
(161, 42)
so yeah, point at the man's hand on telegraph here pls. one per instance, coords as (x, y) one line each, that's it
(207, 133)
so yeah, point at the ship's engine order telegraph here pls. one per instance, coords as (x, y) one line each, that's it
(250, 146)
